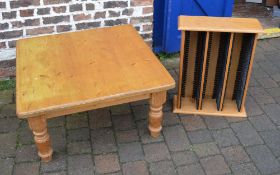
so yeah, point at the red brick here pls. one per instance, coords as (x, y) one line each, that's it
(114, 13)
(2, 5)
(115, 22)
(11, 34)
(147, 27)
(40, 30)
(99, 15)
(147, 10)
(113, 4)
(146, 35)
(63, 28)
(60, 9)
(26, 13)
(4, 26)
(88, 25)
(47, 2)
(2, 45)
(32, 22)
(17, 24)
(43, 11)
(82, 16)
(141, 2)
(9, 15)
(128, 12)
(90, 6)
(24, 3)
(144, 19)
(56, 19)
(76, 7)
(12, 44)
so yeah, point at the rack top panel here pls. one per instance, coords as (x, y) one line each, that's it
(218, 24)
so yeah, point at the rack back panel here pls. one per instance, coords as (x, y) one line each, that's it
(215, 66)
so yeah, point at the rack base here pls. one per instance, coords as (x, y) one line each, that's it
(188, 106)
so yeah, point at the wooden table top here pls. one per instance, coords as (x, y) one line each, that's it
(66, 70)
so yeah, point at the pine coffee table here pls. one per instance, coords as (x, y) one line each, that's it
(74, 72)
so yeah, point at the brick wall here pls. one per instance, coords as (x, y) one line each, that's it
(29, 18)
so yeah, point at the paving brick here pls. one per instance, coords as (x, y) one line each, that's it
(135, 168)
(80, 164)
(200, 136)
(107, 163)
(252, 108)
(206, 149)
(156, 152)
(192, 123)
(140, 112)
(272, 140)
(263, 159)
(216, 122)
(9, 124)
(24, 134)
(276, 77)
(26, 153)
(253, 82)
(236, 119)
(76, 135)
(168, 105)
(273, 111)
(144, 133)
(103, 141)
(78, 147)
(184, 158)
(262, 123)
(264, 99)
(191, 169)
(100, 118)
(245, 169)
(6, 166)
(58, 163)
(58, 139)
(130, 152)
(56, 173)
(140, 102)
(121, 109)
(259, 73)
(215, 165)
(267, 82)
(162, 168)
(78, 120)
(246, 133)
(27, 168)
(123, 122)
(56, 122)
(176, 138)
(275, 92)
(8, 144)
(127, 136)
(269, 67)
(235, 155)
(225, 137)
(170, 118)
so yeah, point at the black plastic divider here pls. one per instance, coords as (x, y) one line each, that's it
(185, 63)
(243, 67)
(199, 66)
(221, 67)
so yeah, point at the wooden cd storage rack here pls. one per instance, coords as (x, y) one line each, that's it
(216, 60)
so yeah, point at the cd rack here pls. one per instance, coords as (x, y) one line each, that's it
(216, 59)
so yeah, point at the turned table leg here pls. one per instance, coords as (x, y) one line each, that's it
(155, 114)
(38, 125)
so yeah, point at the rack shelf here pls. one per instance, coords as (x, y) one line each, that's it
(216, 60)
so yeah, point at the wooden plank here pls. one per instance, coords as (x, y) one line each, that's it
(203, 70)
(191, 65)
(249, 73)
(212, 65)
(181, 68)
(237, 43)
(218, 24)
(74, 69)
(209, 108)
(226, 71)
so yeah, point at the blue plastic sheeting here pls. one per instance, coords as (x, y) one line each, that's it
(166, 36)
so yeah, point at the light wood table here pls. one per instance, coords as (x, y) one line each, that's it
(73, 72)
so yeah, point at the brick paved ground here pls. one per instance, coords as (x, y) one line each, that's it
(116, 141)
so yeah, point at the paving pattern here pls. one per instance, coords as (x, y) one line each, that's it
(115, 140)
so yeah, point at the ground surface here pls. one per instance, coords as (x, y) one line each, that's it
(116, 140)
